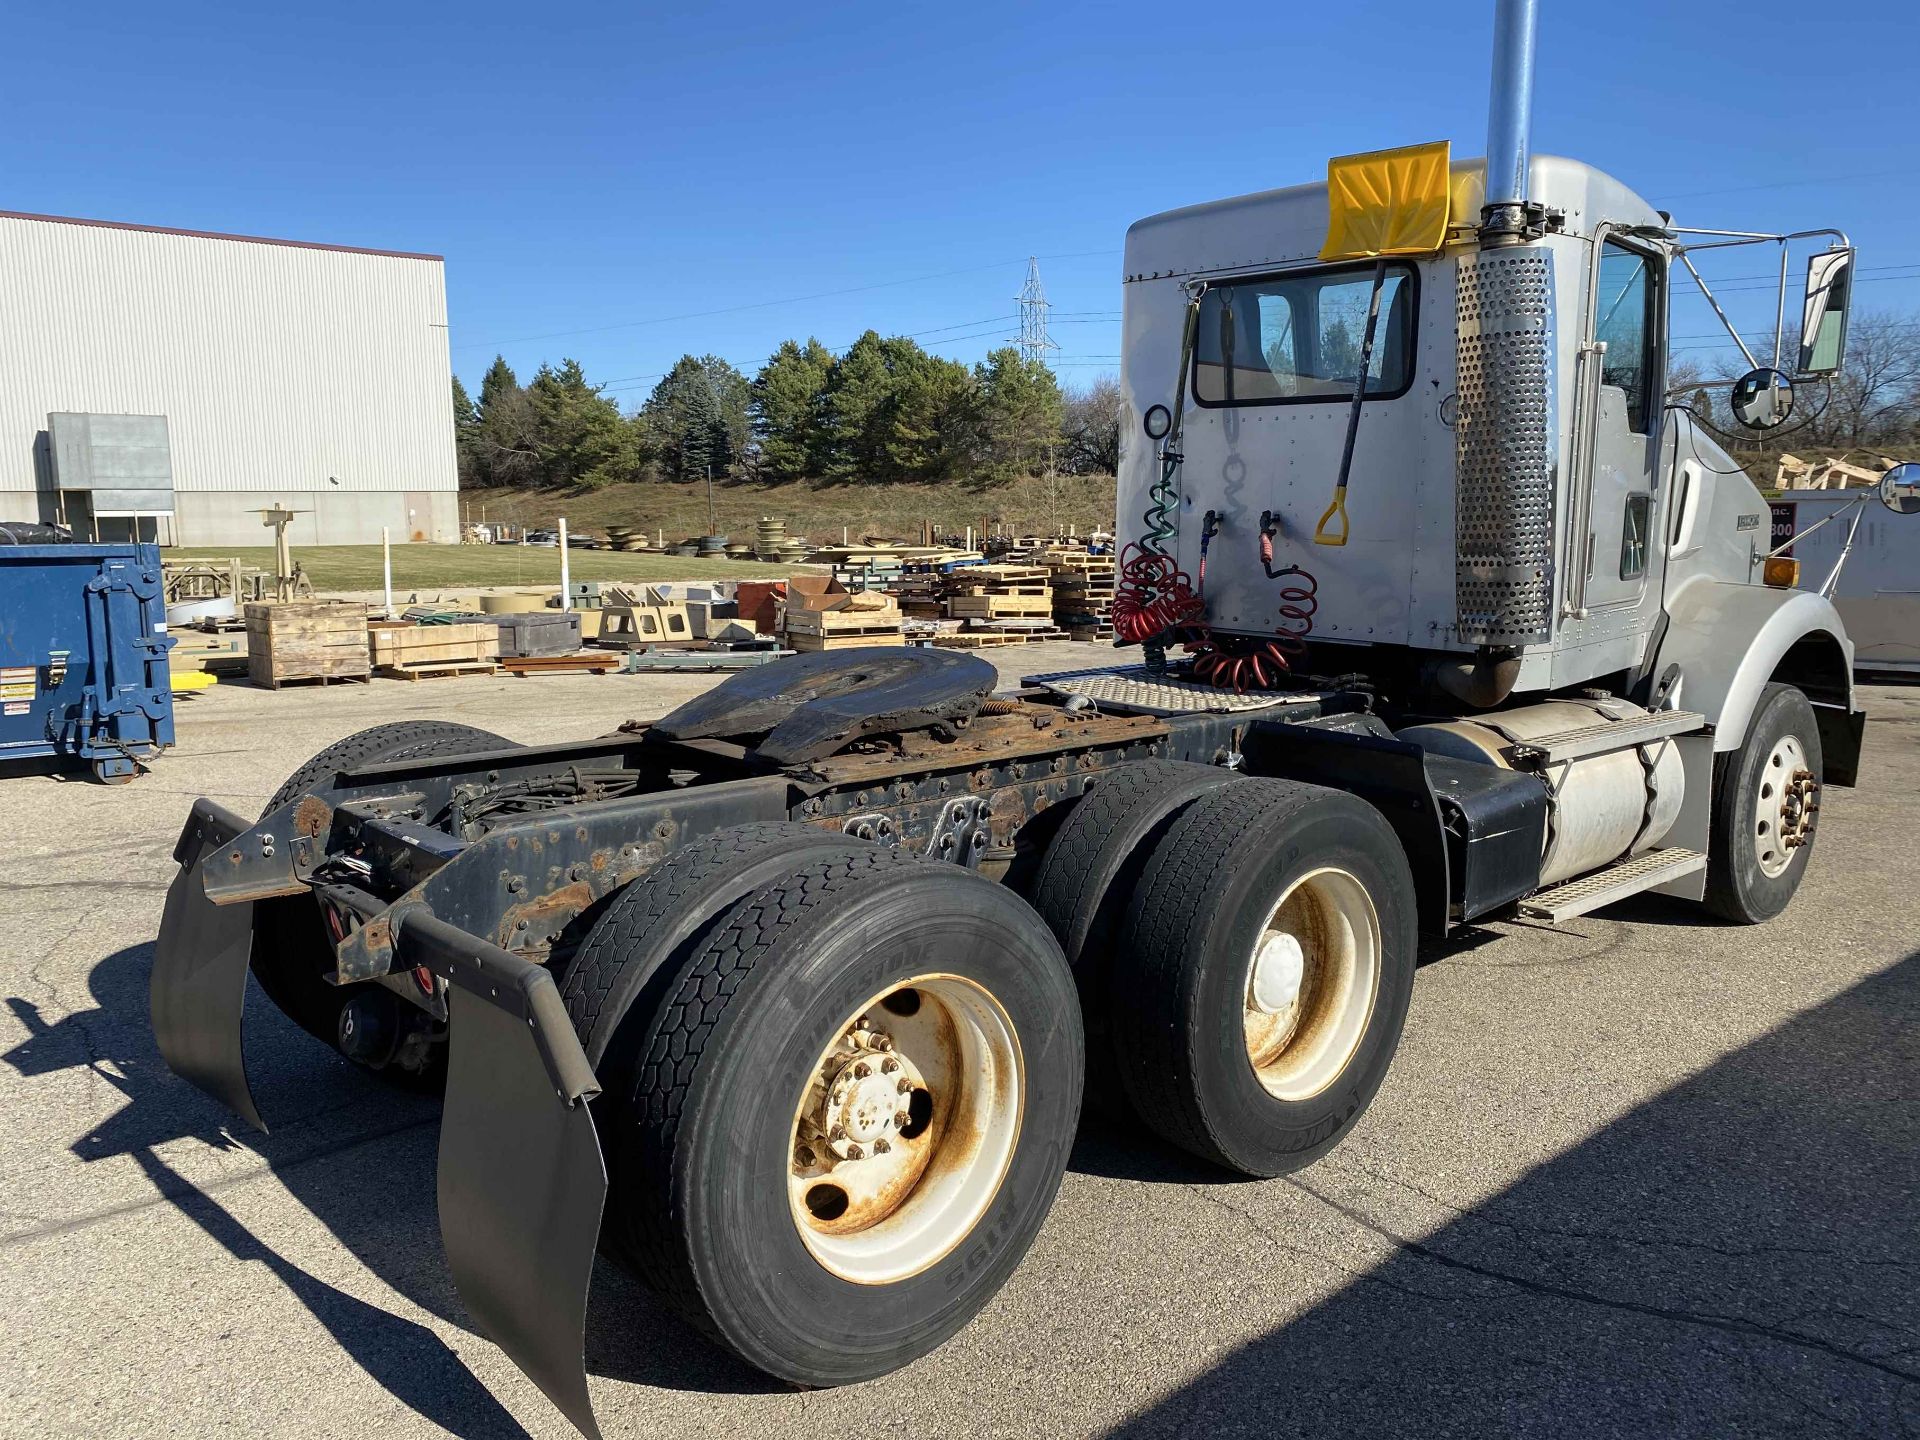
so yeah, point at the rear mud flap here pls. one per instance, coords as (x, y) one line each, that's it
(199, 984)
(521, 1178)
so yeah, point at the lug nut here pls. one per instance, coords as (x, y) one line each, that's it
(838, 1132)
(903, 1119)
(862, 1070)
(854, 1152)
(881, 1147)
(889, 1065)
(905, 1086)
(883, 1042)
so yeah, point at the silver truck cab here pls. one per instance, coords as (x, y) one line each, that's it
(1600, 534)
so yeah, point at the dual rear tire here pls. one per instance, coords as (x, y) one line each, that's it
(841, 1088)
(1246, 957)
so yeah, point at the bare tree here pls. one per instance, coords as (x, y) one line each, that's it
(1091, 429)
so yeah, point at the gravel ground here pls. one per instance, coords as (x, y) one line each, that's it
(1643, 1174)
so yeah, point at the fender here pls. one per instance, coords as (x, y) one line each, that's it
(1728, 641)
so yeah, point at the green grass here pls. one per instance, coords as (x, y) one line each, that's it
(819, 512)
(428, 567)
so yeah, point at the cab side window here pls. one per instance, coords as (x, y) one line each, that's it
(1626, 318)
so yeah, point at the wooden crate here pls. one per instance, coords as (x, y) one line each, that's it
(306, 640)
(414, 645)
(837, 622)
(806, 644)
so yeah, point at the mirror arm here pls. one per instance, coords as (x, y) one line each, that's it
(1846, 549)
(1751, 362)
(1853, 505)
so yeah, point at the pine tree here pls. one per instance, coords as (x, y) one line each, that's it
(854, 411)
(582, 437)
(1019, 410)
(504, 434)
(463, 437)
(787, 402)
(687, 422)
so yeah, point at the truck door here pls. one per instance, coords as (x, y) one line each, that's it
(1627, 315)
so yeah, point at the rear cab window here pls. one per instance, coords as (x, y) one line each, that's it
(1295, 338)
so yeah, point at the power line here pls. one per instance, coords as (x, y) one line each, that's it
(769, 304)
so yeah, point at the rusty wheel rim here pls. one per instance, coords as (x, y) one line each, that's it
(1312, 980)
(905, 1128)
(1784, 804)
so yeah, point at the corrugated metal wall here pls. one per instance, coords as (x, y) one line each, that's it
(280, 368)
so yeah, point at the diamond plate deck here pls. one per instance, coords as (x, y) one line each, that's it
(1136, 688)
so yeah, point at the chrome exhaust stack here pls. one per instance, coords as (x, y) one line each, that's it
(1505, 214)
(1506, 440)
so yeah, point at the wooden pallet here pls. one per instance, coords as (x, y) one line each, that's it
(996, 607)
(438, 670)
(807, 644)
(285, 680)
(980, 639)
(584, 664)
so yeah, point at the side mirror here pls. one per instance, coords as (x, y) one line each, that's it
(1823, 312)
(1900, 488)
(1761, 398)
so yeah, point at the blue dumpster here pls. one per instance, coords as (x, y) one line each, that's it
(83, 656)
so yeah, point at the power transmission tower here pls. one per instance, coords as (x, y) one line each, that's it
(1034, 343)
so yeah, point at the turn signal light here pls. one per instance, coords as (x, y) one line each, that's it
(1781, 572)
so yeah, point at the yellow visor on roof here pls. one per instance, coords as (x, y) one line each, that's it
(1387, 202)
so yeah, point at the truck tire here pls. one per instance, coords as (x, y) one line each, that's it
(764, 1182)
(1766, 796)
(1089, 870)
(1269, 960)
(290, 947)
(656, 921)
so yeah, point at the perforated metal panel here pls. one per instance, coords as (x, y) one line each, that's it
(1505, 447)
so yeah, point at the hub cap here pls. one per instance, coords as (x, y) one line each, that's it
(904, 1129)
(1784, 806)
(1311, 984)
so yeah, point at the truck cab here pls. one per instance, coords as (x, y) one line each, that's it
(1530, 512)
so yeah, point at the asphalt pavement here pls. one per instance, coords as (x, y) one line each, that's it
(1644, 1174)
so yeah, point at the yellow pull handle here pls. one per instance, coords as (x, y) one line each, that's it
(1337, 509)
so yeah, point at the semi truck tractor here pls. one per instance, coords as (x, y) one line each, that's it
(1436, 607)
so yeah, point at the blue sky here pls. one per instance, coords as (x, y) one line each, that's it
(592, 172)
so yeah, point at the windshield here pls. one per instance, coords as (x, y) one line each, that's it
(1281, 338)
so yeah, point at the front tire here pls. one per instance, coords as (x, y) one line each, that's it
(1766, 797)
(1269, 962)
(742, 1189)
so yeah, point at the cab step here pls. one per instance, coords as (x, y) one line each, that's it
(1607, 735)
(1616, 882)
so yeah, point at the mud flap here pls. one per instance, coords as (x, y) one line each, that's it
(521, 1182)
(199, 984)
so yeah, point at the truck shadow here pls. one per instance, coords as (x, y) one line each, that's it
(360, 1156)
(1738, 1255)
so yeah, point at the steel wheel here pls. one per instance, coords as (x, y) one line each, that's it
(1783, 806)
(904, 1130)
(1311, 984)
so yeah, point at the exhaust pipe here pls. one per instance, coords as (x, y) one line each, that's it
(1506, 212)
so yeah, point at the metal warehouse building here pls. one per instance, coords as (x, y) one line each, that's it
(172, 384)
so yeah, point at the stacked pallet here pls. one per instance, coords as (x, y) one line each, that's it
(628, 538)
(434, 652)
(1001, 605)
(295, 640)
(1082, 594)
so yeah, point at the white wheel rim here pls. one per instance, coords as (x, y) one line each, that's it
(888, 1169)
(1311, 984)
(1784, 804)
